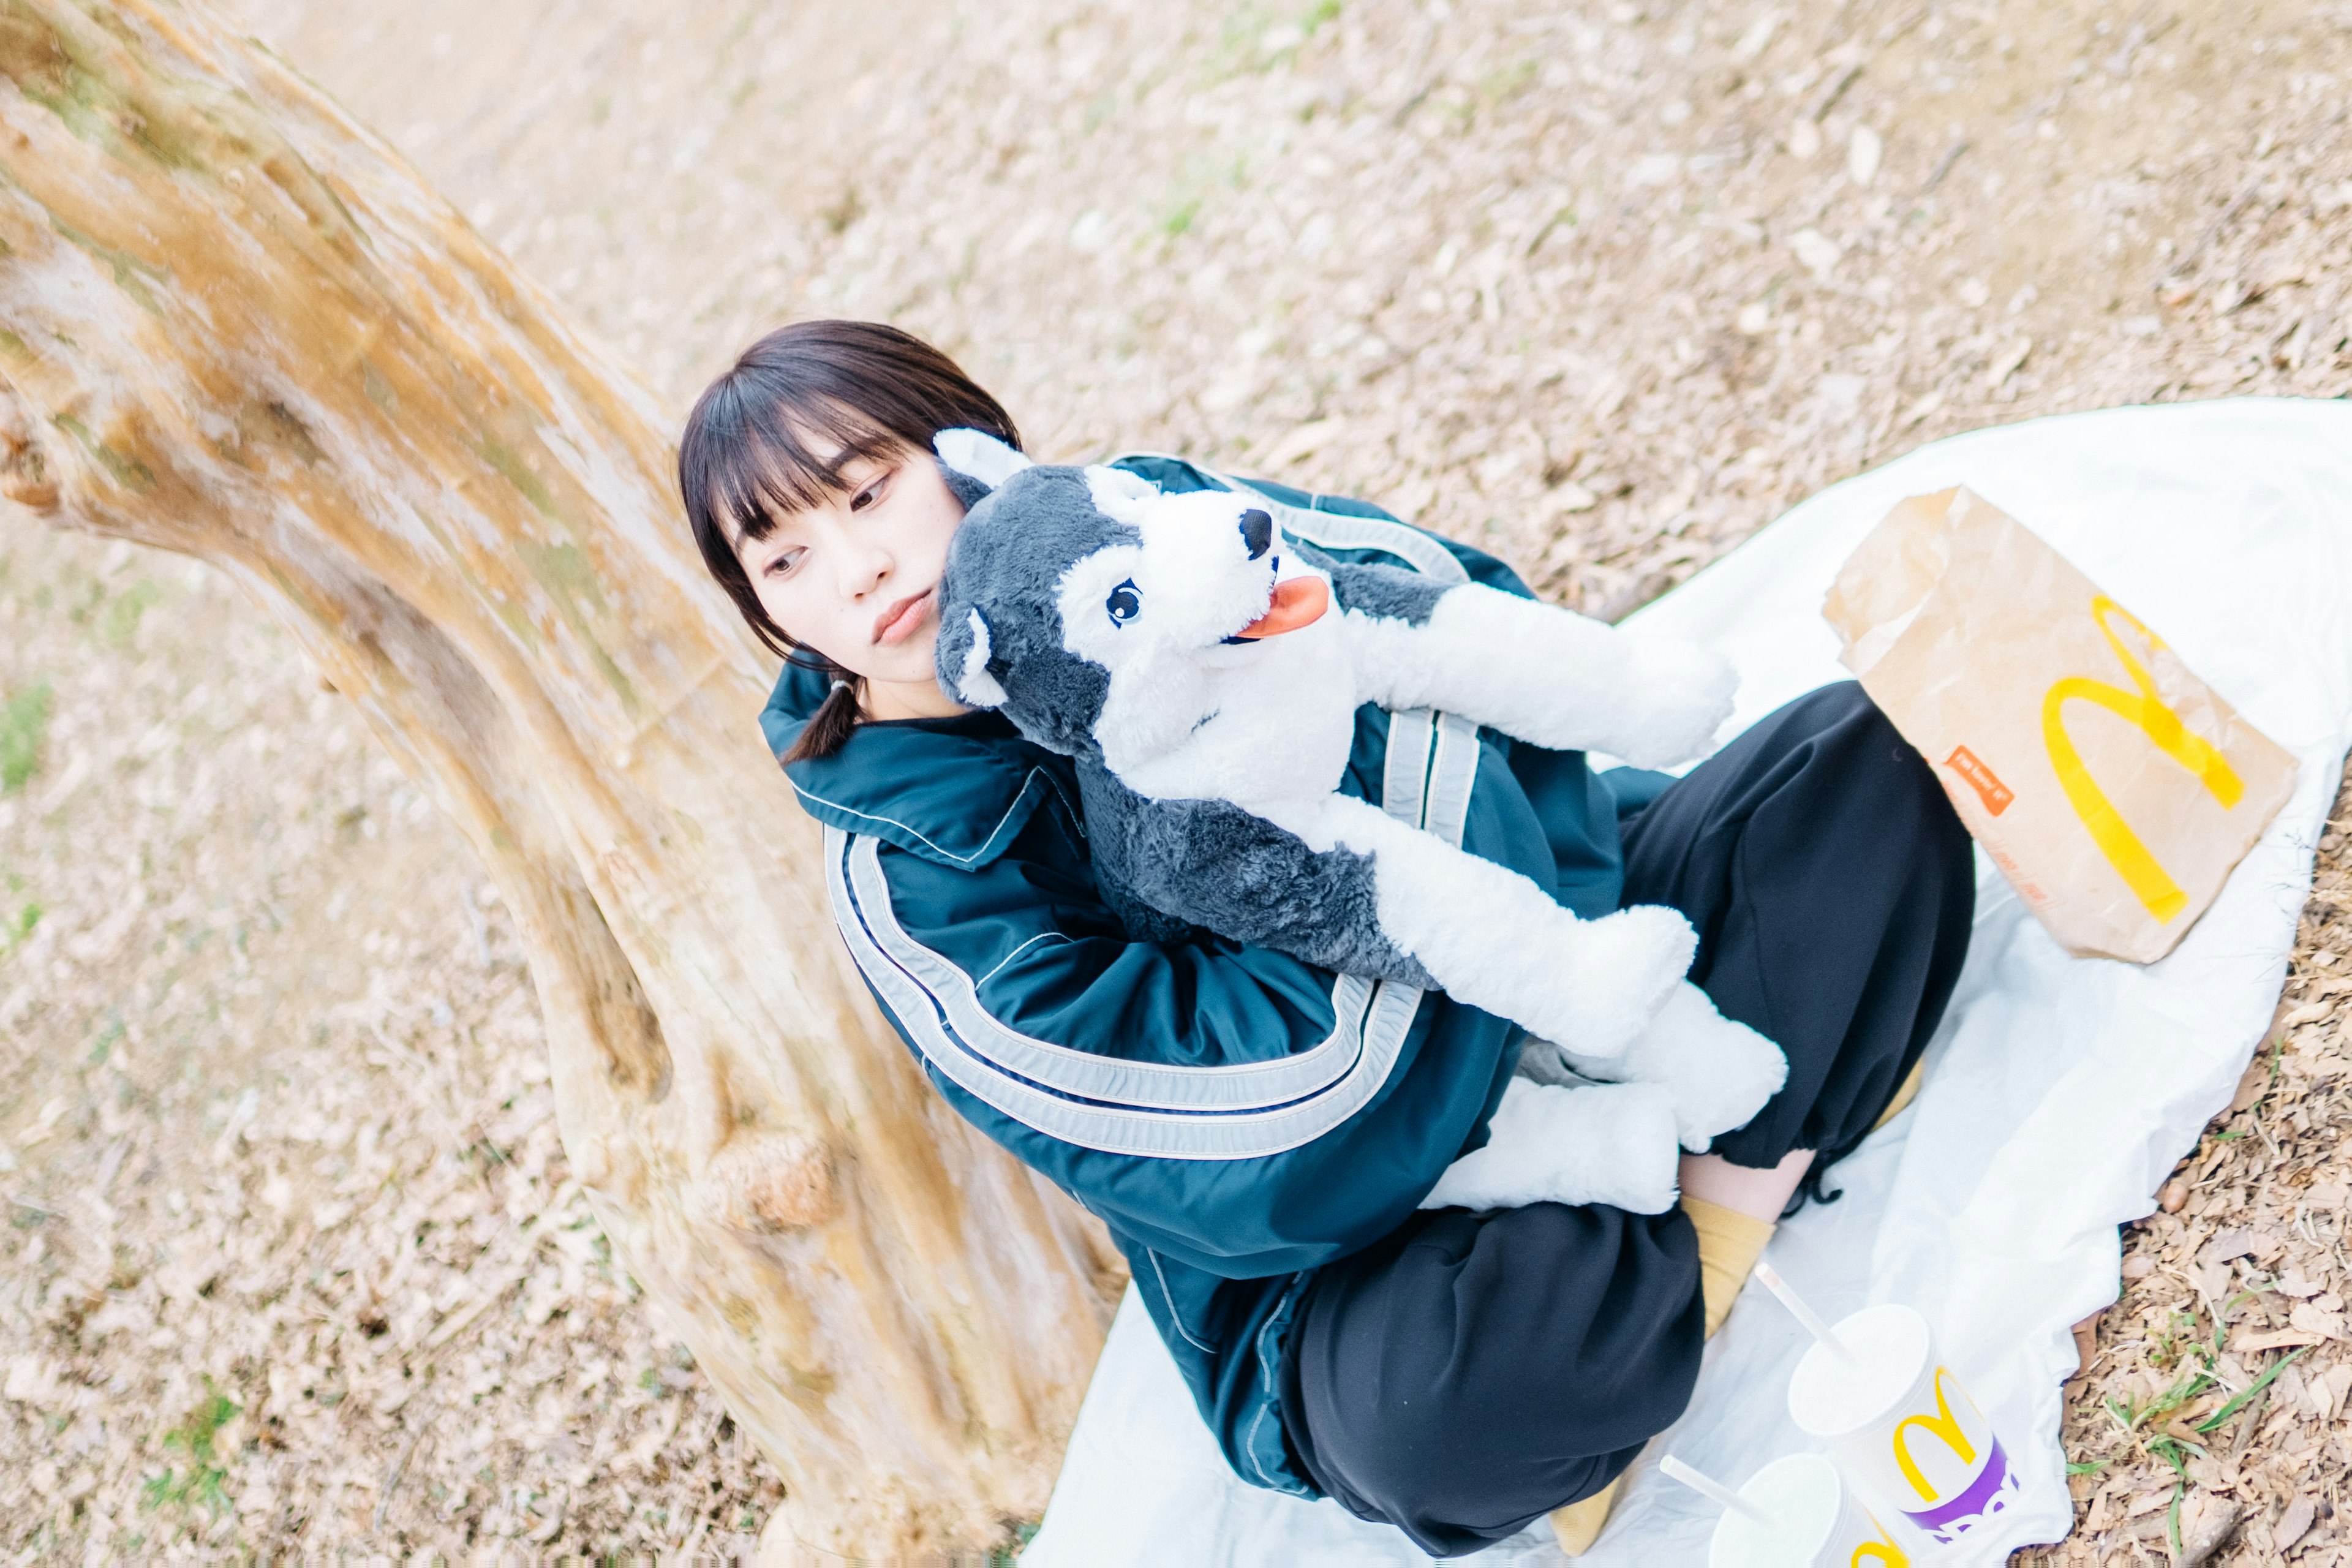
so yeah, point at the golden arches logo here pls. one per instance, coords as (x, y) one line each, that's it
(2144, 709)
(1884, 1552)
(1942, 1426)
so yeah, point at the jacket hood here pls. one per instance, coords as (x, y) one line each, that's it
(956, 790)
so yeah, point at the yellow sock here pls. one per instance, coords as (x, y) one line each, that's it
(1903, 1096)
(1579, 1524)
(1730, 1243)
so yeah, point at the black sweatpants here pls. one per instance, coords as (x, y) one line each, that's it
(1472, 1371)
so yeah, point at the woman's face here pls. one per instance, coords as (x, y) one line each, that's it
(858, 578)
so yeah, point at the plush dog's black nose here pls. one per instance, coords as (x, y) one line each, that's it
(1258, 531)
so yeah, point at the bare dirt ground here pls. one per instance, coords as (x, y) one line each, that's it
(291, 1261)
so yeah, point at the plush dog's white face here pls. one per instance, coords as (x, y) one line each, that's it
(1205, 569)
(1211, 633)
(1165, 615)
(1216, 672)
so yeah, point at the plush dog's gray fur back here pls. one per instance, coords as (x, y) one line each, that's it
(1007, 561)
(1209, 863)
(1390, 592)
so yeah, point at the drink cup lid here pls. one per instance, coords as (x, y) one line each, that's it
(1805, 1496)
(1830, 1396)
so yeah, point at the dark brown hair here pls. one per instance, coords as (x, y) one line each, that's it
(859, 387)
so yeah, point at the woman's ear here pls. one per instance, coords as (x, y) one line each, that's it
(974, 463)
(972, 685)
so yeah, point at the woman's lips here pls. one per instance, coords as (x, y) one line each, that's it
(897, 623)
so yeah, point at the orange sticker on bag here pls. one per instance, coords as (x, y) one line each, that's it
(1987, 784)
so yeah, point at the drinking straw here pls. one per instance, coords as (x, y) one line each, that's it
(1708, 1486)
(1803, 1313)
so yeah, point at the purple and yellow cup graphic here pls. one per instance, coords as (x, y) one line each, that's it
(1805, 1515)
(1897, 1419)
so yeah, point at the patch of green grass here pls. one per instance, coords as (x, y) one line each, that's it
(23, 724)
(1257, 36)
(118, 622)
(2145, 1425)
(2169, 1343)
(199, 1484)
(2276, 1367)
(15, 928)
(1199, 182)
(1561, 217)
(1023, 1532)
(2133, 1415)
(1507, 81)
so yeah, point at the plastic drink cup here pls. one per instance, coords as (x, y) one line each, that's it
(1813, 1519)
(1898, 1420)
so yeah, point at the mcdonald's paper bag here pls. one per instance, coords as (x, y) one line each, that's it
(2115, 788)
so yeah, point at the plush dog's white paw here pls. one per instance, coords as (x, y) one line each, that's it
(1619, 971)
(1593, 1144)
(1685, 690)
(1717, 1073)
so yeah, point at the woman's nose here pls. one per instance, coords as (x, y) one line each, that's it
(862, 571)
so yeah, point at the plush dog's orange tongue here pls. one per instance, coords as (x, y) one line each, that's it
(1298, 602)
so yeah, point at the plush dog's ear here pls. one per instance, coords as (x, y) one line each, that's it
(1118, 495)
(974, 463)
(973, 684)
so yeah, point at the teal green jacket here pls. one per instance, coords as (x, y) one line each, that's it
(1236, 1117)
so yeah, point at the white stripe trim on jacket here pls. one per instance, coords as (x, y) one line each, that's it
(1233, 1111)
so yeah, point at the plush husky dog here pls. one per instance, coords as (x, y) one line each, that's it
(1204, 670)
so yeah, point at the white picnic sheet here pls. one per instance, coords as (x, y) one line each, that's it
(2059, 1092)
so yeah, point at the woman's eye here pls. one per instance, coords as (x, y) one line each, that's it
(782, 566)
(1125, 604)
(869, 495)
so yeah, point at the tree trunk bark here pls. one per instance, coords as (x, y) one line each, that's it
(235, 323)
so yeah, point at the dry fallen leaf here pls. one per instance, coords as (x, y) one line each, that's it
(2309, 1319)
(2229, 1245)
(2295, 1524)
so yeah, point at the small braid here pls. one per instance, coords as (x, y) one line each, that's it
(828, 728)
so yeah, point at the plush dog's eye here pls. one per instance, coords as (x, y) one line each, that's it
(1124, 603)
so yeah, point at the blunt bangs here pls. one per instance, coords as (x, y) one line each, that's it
(767, 467)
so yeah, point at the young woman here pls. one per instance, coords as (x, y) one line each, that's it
(1456, 1374)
